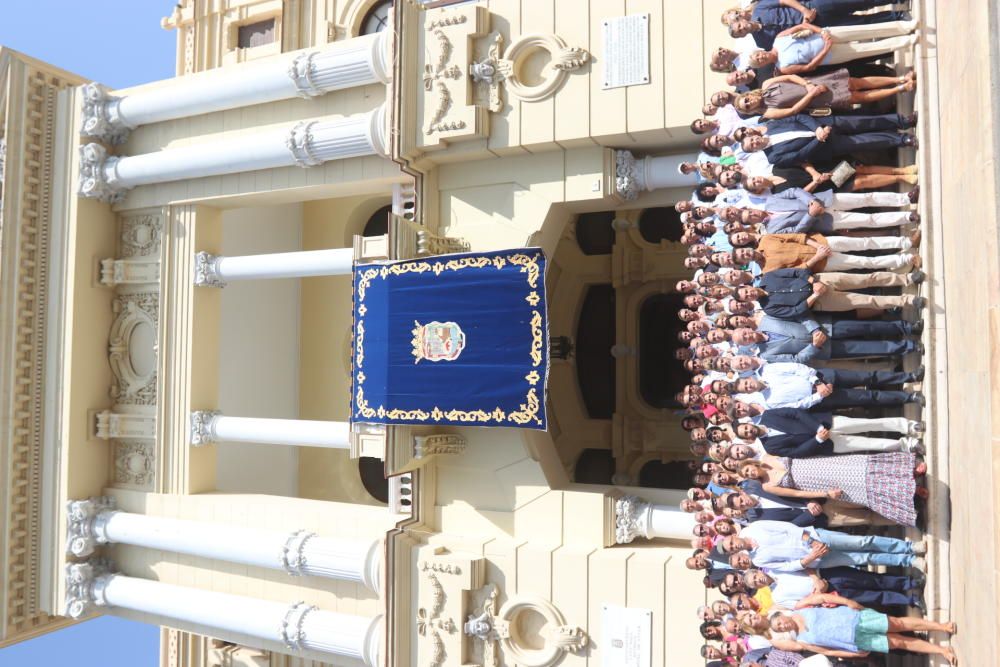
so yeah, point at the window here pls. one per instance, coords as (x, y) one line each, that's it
(658, 475)
(255, 34)
(595, 466)
(660, 224)
(373, 478)
(377, 18)
(594, 233)
(595, 336)
(378, 224)
(660, 374)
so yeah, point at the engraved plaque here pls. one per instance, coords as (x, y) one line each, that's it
(626, 636)
(626, 51)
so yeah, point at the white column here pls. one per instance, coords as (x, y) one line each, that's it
(306, 144)
(634, 517)
(207, 427)
(216, 271)
(359, 61)
(633, 175)
(95, 521)
(298, 626)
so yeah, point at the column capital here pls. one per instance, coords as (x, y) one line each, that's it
(292, 632)
(95, 164)
(102, 119)
(629, 176)
(206, 270)
(632, 515)
(85, 521)
(300, 144)
(293, 558)
(202, 427)
(85, 584)
(300, 71)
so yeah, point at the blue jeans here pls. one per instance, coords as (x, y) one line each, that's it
(863, 550)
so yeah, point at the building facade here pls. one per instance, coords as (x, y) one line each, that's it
(178, 337)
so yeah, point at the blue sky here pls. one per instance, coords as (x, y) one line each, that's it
(119, 43)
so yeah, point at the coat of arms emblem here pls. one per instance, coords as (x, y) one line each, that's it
(437, 341)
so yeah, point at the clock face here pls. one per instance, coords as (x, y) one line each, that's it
(377, 18)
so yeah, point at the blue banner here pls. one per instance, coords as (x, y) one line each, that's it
(457, 339)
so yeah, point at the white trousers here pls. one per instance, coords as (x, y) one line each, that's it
(855, 220)
(852, 425)
(848, 201)
(856, 33)
(840, 245)
(846, 441)
(847, 51)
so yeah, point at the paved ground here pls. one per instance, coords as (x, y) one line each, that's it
(958, 64)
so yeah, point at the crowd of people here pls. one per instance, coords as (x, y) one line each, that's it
(797, 319)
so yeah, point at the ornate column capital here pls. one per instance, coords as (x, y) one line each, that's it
(102, 119)
(632, 515)
(292, 632)
(299, 143)
(202, 431)
(85, 521)
(293, 557)
(85, 584)
(95, 164)
(301, 73)
(206, 270)
(629, 177)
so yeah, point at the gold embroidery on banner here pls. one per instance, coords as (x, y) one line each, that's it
(528, 411)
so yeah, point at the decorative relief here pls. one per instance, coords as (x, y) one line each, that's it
(202, 432)
(631, 518)
(129, 272)
(83, 532)
(206, 271)
(125, 426)
(95, 183)
(444, 588)
(629, 180)
(484, 627)
(430, 445)
(85, 583)
(140, 235)
(101, 117)
(135, 464)
(502, 68)
(134, 368)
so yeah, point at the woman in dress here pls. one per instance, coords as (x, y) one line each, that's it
(884, 483)
(842, 628)
(805, 47)
(813, 179)
(790, 94)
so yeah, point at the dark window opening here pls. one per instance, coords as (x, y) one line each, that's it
(372, 473)
(595, 466)
(660, 224)
(378, 224)
(377, 18)
(256, 34)
(594, 233)
(659, 475)
(595, 336)
(661, 375)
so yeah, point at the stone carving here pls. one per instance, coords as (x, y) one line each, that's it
(128, 272)
(437, 444)
(101, 117)
(432, 244)
(206, 271)
(629, 181)
(134, 378)
(95, 165)
(201, 427)
(293, 558)
(85, 584)
(140, 235)
(431, 623)
(567, 638)
(484, 627)
(135, 463)
(631, 518)
(83, 533)
(499, 68)
(433, 73)
(559, 637)
(292, 633)
(119, 425)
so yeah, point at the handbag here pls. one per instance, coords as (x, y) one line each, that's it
(841, 173)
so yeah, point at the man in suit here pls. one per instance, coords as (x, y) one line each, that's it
(795, 211)
(759, 505)
(798, 433)
(802, 138)
(767, 18)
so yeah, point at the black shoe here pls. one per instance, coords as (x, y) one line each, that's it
(918, 398)
(917, 327)
(911, 141)
(915, 217)
(918, 375)
(917, 276)
(910, 120)
(920, 302)
(918, 348)
(914, 194)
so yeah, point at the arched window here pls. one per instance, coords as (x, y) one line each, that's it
(594, 233)
(659, 475)
(372, 473)
(660, 224)
(595, 466)
(378, 224)
(661, 375)
(595, 336)
(377, 18)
